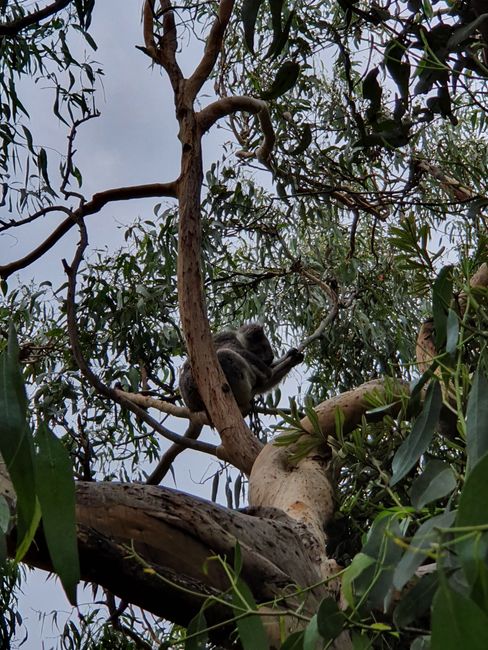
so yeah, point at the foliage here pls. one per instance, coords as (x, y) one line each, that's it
(374, 202)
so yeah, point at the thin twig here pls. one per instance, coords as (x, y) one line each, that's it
(13, 27)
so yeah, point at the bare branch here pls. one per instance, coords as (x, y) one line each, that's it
(6, 225)
(13, 27)
(162, 468)
(98, 201)
(164, 52)
(228, 105)
(212, 49)
(71, 152)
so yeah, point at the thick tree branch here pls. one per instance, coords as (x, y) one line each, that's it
(13, 27)
(227, 105)
(93, 206)
(212, 49)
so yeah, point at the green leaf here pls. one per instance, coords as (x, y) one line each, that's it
(452, 334)
(311, 635)
(372, 91)
(457, 622)
(285, 79)
(197, 631)
(15, 437)
(250, 628)
(249, 14)
(360, 563)
(436, 481)
(279, 43)
(474, 496)
(330, 619)
(56, 492)
(421, 643)
(441, 301)
(293, 642)
(276, 7)
(477, 419)
(420, 436)
(416, 601)
(425, 537)
(377, 581)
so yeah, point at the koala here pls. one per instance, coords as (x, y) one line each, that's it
(247, 359)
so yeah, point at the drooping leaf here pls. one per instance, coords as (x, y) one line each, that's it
(311, 635)
(250, 628)
(360, 563)
(56, 492)
(398, 69)
(197, 633)
(330, 619)
(372, 91)
(420, 436)
(477, 419)
(294, 641)
(416, 600)
(285, 79)
(425, 537)
(15, 437)
(249, 14)
(279, 43)
(452, 333)
(474, 496)
(376, 582)
(441, 300)
(457, 622)
(436, 481)
(464, 32)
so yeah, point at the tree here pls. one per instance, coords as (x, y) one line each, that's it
(365, 525)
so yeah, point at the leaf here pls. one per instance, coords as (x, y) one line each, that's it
(249, 14)
(15, 437)
(330, 620)
(293, 642)
(250, 628)
(452, 333)
(436, 481)
(278, 44)
(197, 630)
(311, 635)
(416, 601)
(276, 7)
(425, 537)
(377, 581)
(285, 79)
(441, 300)
(420, 436)
(372, 91)
(457, 622)
(399, 71)
(477, 419)
(474, 496)
(360, 563)
(421, 643)
(304, 141)
(56, 492)
(464, 32)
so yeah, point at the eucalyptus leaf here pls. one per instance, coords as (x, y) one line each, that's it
(421, 435)
(436, 481)
(56, 491)
(477, 419)
(457, 622)
(285, 79)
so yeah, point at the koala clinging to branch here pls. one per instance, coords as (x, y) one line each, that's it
(246, 358)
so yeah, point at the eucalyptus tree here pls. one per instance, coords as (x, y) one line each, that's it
(347, 214)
